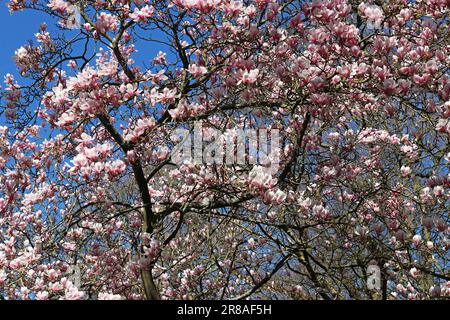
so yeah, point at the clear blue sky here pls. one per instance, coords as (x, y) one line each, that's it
(15, 30)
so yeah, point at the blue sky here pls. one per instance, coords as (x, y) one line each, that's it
(15, 30)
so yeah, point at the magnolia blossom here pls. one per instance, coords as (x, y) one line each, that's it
(142, 14)
(72, 292)
(259, 178)
(160, 58)
(80, 160)
(204, 6)
(26, 57)
(443, 125)
(42, 295)
(373, 13)
(321, 212)
(61, 6)
(249, 77)
(21, 53)
(139, 129)
(65, 119)
(416, 240)
(105, 23)
(168, 96)
(197, 71)
(405, 171)
(115, 167)
(274, 196)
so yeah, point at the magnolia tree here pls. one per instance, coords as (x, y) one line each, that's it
(270, 150)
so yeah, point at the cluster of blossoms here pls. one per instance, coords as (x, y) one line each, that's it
(142, 14)
(373, 13)
(92, 161)
(141, 126)
(27, 58)
(263, 182)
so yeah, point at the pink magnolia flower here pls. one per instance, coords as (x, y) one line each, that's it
(421, 79)
(168, 95)
(274, 197)
(66, 119)
(443, 125)
(373, 13)
(205, 6)
(249, 77)
(389, 86)
(106, 22)
(321, 212)
(72, 292)
(416, 240)
(104, 149)
(143, 14)
(42, 295)
(405, 171)
(160, 58)
(197, 71)
(115, 168)
(139, 129)
(91, 154)
(21, 53)
(80, 160)
(60, 6)
(259, 178)
(85, 140)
